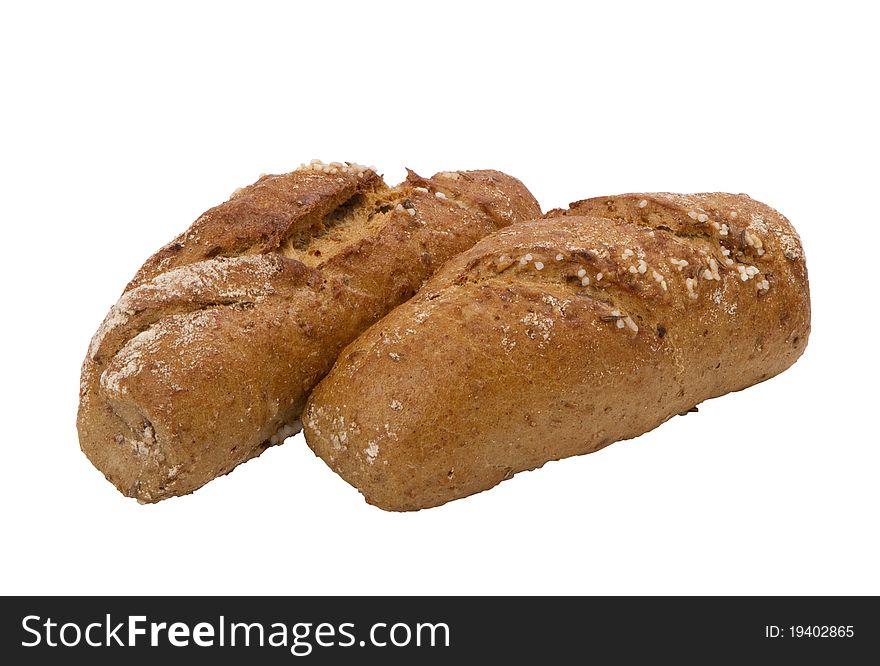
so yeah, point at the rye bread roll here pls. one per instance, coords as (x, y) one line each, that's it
(211, 351)
(558, 337)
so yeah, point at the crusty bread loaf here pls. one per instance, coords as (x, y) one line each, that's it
(559, 337)
(209, 355)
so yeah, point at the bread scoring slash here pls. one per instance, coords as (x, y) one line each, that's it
(212, 349)
(559, 337)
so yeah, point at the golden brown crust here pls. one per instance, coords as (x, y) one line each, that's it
(257, 219)
(558, 337)
(209, 355)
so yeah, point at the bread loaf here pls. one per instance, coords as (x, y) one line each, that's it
(556, 338)
(209, 354)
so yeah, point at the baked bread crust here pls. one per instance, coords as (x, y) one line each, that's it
(208, 356)
(558, 337)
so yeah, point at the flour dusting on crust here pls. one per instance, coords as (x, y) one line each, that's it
(130, 359)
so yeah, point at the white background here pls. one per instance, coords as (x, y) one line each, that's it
(121, 125)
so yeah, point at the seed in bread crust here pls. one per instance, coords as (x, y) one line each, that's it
(335, 167)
